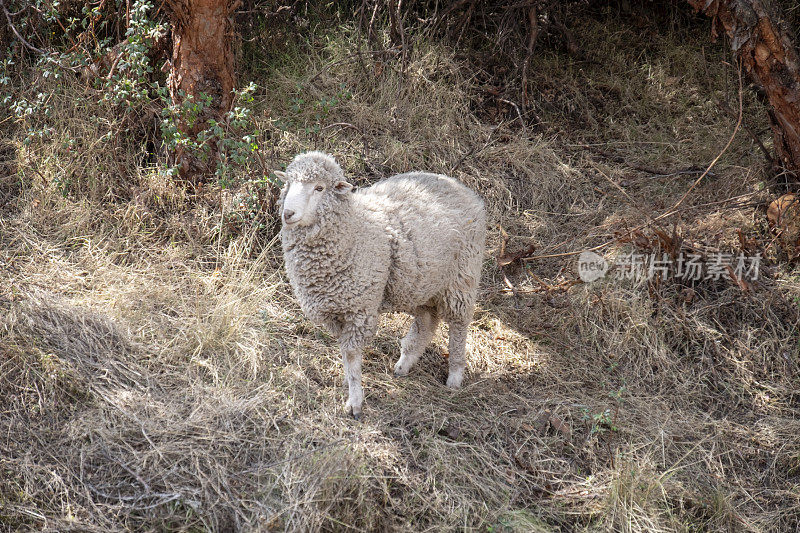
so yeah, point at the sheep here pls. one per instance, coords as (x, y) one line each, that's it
(411, 243)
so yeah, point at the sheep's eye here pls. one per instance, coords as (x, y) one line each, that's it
(319, 188)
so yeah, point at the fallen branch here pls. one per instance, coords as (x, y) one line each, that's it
(692, 169)
(16, 33)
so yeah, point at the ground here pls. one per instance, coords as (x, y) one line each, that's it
(157, 373)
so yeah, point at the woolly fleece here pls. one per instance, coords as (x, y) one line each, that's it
(413, 242)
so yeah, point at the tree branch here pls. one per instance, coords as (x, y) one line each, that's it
(16, 33)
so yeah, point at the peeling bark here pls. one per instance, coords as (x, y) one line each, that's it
(202, 66)
(760, 41)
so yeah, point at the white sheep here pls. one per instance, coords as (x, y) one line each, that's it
(413, 243)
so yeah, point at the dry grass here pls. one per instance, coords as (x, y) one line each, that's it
(156, 373)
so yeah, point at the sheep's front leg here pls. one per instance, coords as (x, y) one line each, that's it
(355, 334)
(416, 340)
(458, 354)
(351, 358)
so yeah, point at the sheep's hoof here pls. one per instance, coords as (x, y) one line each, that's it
(400, 371)
(454, 380)
(355, 412)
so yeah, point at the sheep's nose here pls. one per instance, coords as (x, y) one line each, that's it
(287, 214)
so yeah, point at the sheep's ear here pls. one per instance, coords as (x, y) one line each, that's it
(342, 187)
(280, 174)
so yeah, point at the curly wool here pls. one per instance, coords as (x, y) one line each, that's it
(413, 242)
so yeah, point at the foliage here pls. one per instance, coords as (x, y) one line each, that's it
(127, 92)
(129, 82)
(229, 137)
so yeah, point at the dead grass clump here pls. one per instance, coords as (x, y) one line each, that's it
(131, 468)
(76, 143)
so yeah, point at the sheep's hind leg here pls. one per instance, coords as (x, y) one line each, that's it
(416, 340)
(458, 354)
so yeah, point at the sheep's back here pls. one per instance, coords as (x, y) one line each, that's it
(438, 229)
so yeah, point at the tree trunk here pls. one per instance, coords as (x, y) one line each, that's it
(760, 41)
(202, 70)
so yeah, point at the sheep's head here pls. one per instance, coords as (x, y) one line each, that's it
(314, 184)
